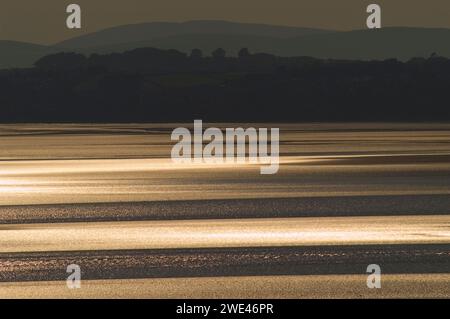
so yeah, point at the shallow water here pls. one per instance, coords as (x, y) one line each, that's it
(42, 164)
(339, 185)
(273, 232)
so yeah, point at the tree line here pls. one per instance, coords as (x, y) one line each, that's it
(153, 85)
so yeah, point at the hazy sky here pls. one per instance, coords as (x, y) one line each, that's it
(43, 21)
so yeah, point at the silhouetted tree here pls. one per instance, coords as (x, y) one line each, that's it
(196, 54)
(61, 61)
(165, 85)
(243, 53)
(433, 55)
(219, 54)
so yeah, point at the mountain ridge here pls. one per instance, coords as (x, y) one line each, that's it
(401, 43)
(145, 31)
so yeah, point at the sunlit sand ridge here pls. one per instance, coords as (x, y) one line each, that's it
(225, 233)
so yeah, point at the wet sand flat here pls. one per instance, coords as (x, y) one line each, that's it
(320, 286)
(207, 262)
(318, 206)
(109, 199)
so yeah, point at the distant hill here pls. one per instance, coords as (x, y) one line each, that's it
(386, 43)
(401, 43)
(156, 30)
(19, 54)
(206, 42)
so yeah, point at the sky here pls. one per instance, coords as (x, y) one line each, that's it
(43, 21)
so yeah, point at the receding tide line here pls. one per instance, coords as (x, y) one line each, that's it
(225, 233)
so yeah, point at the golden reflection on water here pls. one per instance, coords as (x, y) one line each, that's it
(49, 164)
(226, 233)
